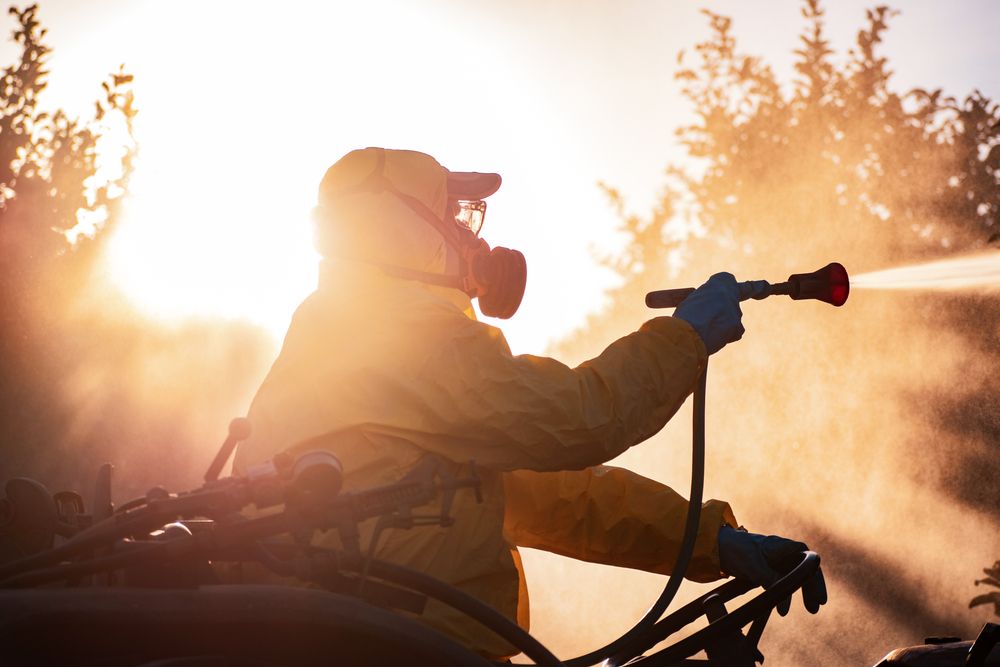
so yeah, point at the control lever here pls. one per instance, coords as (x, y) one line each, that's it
(734, 650)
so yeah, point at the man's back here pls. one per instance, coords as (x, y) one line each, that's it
(351, 373)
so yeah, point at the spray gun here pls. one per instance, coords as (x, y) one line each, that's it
(829, 284)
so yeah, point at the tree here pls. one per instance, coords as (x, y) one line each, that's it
(837, 152)
(815, 404)
(58, 198)
(84, 378)
(915, 173)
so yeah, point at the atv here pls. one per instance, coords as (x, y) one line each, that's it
(136, 585)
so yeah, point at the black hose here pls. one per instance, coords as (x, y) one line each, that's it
(138, 554)
(63, 552)
(635, 640)
(141, 553)
(465, 603)
(114, 528)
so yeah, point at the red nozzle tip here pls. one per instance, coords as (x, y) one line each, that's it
(840, 284)
(830, 284)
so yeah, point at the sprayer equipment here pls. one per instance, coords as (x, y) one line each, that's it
(829, 284)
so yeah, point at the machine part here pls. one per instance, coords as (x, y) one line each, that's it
(209, 661)
(469, 605)
(239, 430)
(323, 564)
(103, 509)
(317, 473)
(733, 649)
(981, 653)
(28, 519)
(982, 648)
(223, 498)
(103, 505)
(175, 573)
(830, 284)
(325, 570)
(720, 632)
(70, 513)
(294, 627)
(217, 498)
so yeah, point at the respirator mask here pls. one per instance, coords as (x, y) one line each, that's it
(496, 276)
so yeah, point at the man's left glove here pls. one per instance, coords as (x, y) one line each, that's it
(763, 559)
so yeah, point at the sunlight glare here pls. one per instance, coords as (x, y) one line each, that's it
(217, 223)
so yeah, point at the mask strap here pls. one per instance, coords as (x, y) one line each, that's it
(441, 280)
(421, 209)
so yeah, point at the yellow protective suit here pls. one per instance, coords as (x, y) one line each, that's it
(390, 369)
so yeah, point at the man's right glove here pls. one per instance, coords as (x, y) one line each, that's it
(763, 559)
(714, 311)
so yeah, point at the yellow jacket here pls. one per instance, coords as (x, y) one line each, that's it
(391, 369)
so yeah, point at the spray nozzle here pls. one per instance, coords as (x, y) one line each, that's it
(829, 284)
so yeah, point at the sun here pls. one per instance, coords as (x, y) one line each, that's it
(206, 251)
(217, 222)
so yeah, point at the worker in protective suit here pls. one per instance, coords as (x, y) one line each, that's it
(385, 363)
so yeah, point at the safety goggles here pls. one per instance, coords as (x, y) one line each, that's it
(471, 214)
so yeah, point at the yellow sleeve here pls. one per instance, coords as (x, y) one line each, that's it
(611, 516)
(478, 401)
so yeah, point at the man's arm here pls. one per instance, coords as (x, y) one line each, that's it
(478, 401)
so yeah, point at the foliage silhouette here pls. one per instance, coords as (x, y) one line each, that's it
(992, 578)
(915, 173)
(85, 378)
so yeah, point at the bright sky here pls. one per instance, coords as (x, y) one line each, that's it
(244, 104)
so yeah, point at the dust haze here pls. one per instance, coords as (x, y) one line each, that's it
(870, 431)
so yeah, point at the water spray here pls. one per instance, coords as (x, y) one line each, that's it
(980, 271)
(829, 284)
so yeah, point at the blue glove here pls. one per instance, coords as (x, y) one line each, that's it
(714, 311)
(762, 560)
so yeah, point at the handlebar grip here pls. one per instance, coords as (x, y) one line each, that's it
(667, 298)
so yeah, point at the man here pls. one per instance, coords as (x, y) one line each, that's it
(386, 363)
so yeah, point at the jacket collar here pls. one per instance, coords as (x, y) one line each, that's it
(339, 275)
